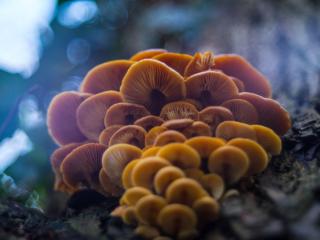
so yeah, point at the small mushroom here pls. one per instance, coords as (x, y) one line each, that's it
(126, 176)
(239, 83)
(116, 157)
(180, 155)
(148, 122)
(106, 134)
(134, 194)
(177, 61)
(148, 209)
(198, 128)
(169, 136)
(236, 66)
(176, 218)
(232, 129)
(91, 112)
(165, 176)
(194, 173)
(179, 110)
(242, 110)
(108, 186)
(230, 162)
(214, 115)
(207, 209)
(152, 84)
(124, 114)
(210, 87)
(177, 124)
(80, 168)
(147, 232)
(149, 53)
(144, 172)
(258, 158)
(106, 76)
(214, 184)
(62, 120)
(199, 63)
(130, 134)
(151, 151)
(153, 134)
(129, 216)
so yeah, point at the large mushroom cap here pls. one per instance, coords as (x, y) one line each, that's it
(210, 87)
(91, 112)
(177, 61)
(62, 120)
(199, 63)
(131, 134)
(231, 129)
(236, 66)
(81, 167)
(179, 110)
(152, 84)
(149, 53)
(106, 76)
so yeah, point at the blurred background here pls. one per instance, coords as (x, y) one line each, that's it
(47, 46)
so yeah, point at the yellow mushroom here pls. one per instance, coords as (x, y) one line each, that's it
(132, 195)
(268, 139)
(232, 129)
(165, 176)
(151, 151)
(127, 173)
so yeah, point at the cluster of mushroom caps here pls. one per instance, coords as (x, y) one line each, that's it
(167, 131)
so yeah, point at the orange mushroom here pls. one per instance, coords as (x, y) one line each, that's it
(149, 53)
(106, 134)
(198, 128)
(232, 129)
(126, 176)
(151, 151)
(130, 134)
(179, 110)
(199, 63)
(134, 194)
(177, 61)
(148, 122)
(165, 176)
(169, 136)
(153, 134)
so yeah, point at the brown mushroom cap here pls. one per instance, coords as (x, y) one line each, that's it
(130, 134)
(214, 115)
(165, 176)
(242, 110)
(268, 139)
(124, 114)
(106, 76)
(210, 87)
(230, 162)
(232, 129)
(177, 61)
(199, 63)
(152, 134)
(61, 118)
(169, 136)
(81, 167)
(148, 122)
(271, 113)
(152, 84)
(207, 209)
(91, 112)
(198, 128)
(179, 110)
(214, 184)
(239, 83)
(134, 194)
(108, 186)
(177, 124)
(116, 157)
(236, 66)
(149, 53)
(107, 133)
(258, 158)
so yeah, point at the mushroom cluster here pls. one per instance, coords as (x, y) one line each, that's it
(169, 131)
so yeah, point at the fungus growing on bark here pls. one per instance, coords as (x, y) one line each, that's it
(130, 134)
(207, 209)
(199, 63)
(134, 194)
(149, 53)
(197, 128)
(177, 124)
(232, 129)
(242, 110)
(210, 87)
(62, 110)
(106, 134)
(229, 162)
(106, 76)
(214, 184)
(108, 186)
(165, 176)
(176, 61)
(268, 139)
(91, 112)
(148, 122)
(153, 134)
(169, 136)
(124, 114)
(179, 110)
(236, 66)
(152, 84)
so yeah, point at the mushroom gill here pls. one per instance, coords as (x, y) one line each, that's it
(179, 110)
(130, 134)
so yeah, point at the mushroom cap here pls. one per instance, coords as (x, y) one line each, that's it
(81, 166)
(106, 76)
(181, 155)
(108, 186)
(130, 134)
(169, 136)
(62, 110)
(199, 63)
(242, 110)
(124, 114)
(198, 128)
(177, 61)
(210, 87)
(148, 53)
(271, 113)
(239, 83)
(179, 110)
(143, 173)
(194, 173)
(205, 145)
(237, 66)
(232, 129)
(258, 158)
(116, 157)
(147, 232)
(129, 216)
(214, 184)
(175, 218)
(207, 209)
(134, 194)
(91, 112)
(151, 151)
(268, 139)
(126, 176)
(230, 162)
(153, 134)
(177, 124)
(152, 84)
(148, 209)
(214, 115)
(148, 122)
(184, 191)
(106, 134)
(165, 176)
